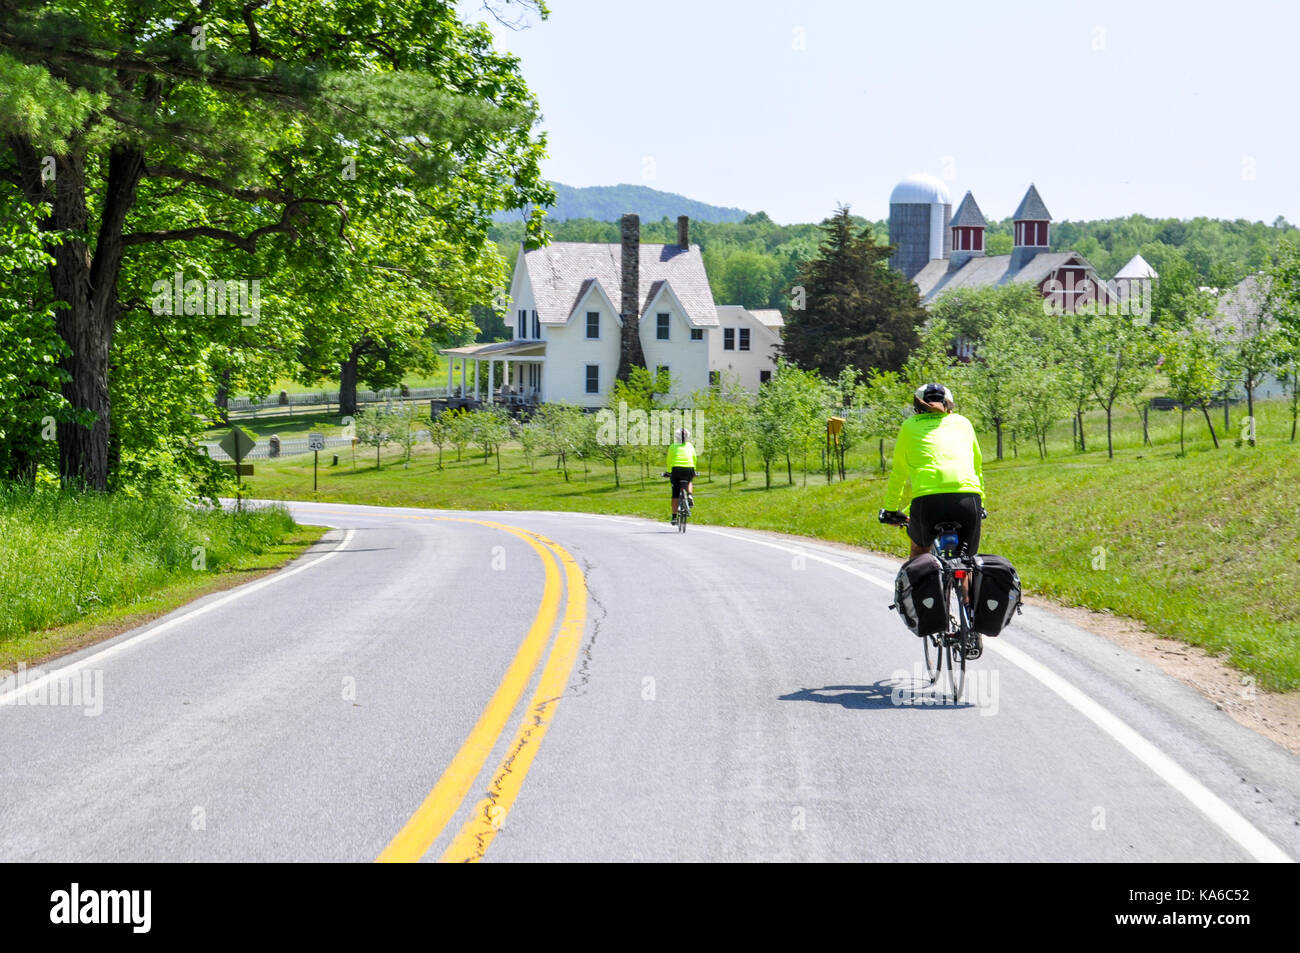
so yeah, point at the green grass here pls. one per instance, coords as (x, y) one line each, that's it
(70, 564)
(1204, 548)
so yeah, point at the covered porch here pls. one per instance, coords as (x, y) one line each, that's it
(472, 373)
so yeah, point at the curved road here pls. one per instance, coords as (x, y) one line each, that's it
(555, 686)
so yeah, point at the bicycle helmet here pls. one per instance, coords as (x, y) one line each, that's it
(934, 394)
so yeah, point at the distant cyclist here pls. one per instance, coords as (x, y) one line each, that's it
(939, 468)
(681, 468)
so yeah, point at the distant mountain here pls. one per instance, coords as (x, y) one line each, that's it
(606, 203)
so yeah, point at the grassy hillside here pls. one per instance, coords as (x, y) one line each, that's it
(1205, 548)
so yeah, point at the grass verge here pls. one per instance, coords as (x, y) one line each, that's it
(77, 569)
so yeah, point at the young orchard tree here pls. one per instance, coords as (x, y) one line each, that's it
(1189, 368)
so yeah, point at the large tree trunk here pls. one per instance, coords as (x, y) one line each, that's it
(348, 385)
(86, 284)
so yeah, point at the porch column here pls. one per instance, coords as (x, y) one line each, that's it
(462, 377)
(451, 364)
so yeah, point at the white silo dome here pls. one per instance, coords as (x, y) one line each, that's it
(920, 189)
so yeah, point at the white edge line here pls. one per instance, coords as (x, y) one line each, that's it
(1223, 815)
(237, 593)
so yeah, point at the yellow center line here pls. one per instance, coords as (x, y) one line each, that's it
(414, 840)
(490, 813)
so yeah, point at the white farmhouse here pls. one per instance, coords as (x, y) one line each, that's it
(743, 345)
(569, 301)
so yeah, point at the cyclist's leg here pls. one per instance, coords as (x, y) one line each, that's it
(920, 527)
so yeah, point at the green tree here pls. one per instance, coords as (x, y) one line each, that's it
(993, 378)
(241, 127)
(856, 309)
(1251, 340)
(30, 350)
(1189, 368)
(375, 428)
(1115, 361)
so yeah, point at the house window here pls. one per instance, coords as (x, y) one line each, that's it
(764, 376)
(537, 326)
(697, 334)
(661, 331)
(744, 339)
(593, 324)
(593, 378)
(661, 370)
(728, 339)
(715, 377)
(521, 325)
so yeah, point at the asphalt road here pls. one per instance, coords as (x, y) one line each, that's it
(433, 685)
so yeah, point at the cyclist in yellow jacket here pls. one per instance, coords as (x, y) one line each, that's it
(681, 468)
(939, 469)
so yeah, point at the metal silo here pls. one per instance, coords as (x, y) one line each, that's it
(920, 211)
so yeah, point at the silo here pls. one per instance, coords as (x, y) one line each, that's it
(920, 212)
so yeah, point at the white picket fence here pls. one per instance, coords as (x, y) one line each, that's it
(288, 447)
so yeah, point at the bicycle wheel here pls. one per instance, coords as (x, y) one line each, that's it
(933, 657)
(955, 682)
(683, 514)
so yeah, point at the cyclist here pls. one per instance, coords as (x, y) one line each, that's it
(681, 468)
(939, 468)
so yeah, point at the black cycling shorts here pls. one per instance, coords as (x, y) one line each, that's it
(680, 477)
(961, 508)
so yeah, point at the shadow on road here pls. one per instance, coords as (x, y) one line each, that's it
(887, 693)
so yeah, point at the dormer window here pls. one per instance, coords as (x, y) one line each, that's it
(661, 326)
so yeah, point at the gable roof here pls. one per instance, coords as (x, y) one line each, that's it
(993, 270)
(968, 214)
(1244, 311)
(1031, 208)
(561, 272)
(770, 317)
(1137, 267)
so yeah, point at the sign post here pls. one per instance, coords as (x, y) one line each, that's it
(315, 443)
(237, 444)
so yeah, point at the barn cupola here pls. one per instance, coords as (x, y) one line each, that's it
(1032, 224)
(967, 233)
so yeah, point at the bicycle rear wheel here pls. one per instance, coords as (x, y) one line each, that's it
(933, 657)
(954, 666)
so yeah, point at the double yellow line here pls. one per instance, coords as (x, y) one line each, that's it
(435, 813)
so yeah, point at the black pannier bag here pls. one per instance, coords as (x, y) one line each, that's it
(995, 594)
(918, 595)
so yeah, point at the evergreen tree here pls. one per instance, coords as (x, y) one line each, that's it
(856, 310)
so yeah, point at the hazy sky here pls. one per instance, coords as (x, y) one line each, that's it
(1167, 108)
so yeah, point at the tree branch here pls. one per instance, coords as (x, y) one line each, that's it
(247, 242)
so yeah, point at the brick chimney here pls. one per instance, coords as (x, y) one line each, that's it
(630, 353)
(683, 231)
